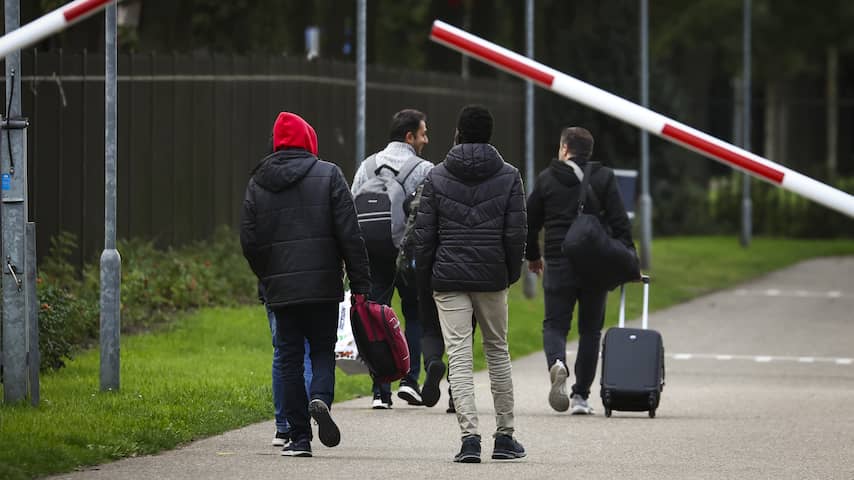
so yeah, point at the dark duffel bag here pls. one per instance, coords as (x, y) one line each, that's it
(597, 258)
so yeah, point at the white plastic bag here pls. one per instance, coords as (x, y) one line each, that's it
(346, 352)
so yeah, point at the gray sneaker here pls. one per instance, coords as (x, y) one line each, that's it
(580, 406)
(558, 398)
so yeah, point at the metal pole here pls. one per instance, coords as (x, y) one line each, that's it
(746, 203)
(529, 97)
(361, 27)
(14, 218)
(464, 61)
(111, 262)
(645, 198)
(33, 352)
(530, 285)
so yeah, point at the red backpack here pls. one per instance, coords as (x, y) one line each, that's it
(381, 344)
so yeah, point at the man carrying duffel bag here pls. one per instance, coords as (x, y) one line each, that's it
(553, 204)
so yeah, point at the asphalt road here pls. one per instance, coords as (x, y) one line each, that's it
(760, 384)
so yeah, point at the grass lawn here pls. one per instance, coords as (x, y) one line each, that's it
(210, 371)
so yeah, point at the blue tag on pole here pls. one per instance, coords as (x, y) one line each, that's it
(6, 181)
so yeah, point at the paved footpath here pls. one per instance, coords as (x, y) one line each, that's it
(760, 384)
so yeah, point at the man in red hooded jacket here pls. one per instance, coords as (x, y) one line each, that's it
(298, 226)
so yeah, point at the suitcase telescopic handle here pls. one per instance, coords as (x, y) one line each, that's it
(645, 315)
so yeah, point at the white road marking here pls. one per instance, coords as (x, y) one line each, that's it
(754, 358)
(776, 292)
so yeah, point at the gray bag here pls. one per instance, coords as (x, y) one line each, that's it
(380, 206)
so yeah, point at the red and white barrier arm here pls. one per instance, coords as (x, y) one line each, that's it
(48, 24)
(640, 117)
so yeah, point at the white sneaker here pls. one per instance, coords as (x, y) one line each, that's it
(410, 393)
(580, 406)
(380, 404)
(280, 439)
(558, 398)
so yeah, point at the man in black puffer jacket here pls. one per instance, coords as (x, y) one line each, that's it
(298, 225)
(553, 203)
(470, 240)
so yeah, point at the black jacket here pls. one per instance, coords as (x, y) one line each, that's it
(298, 224)
(553, 204)
(470, 227)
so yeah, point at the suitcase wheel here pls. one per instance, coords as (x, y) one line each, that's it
(653, 404)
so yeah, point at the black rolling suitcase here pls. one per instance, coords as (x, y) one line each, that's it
(632, 363)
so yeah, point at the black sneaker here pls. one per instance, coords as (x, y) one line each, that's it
(381, 402)
(410, 392)
(326, 428)
(470, 451)
(507, 448)
(281, 439)
(430, 392)
(297, 448)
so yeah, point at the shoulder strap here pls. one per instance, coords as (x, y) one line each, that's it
(585, 183)
(370, 165)
(408, 167)
(587, 188)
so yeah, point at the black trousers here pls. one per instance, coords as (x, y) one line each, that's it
(317, 323)
(432, 342)
(561, 295)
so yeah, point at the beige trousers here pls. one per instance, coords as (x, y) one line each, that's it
(455, 316)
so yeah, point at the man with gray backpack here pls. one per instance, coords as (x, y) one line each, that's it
(382, 188)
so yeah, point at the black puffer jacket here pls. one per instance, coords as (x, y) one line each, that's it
(470, 228)
(553, 204)
(298, 224)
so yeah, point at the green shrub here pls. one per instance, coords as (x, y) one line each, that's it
(65, 323)
(155, 284)
(777, 211)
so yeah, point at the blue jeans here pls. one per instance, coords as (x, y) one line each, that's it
(278, 384)
(316, 323)
(382, 277)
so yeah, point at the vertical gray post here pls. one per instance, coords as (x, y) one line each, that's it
(529, 97)
(33, 352)
(746, 203)
(361, 60)
(111, 262)
(530, 285)
(464, 62)
(645, 198)
(13, 169)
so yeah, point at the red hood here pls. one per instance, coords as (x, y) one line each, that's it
(291, 131)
